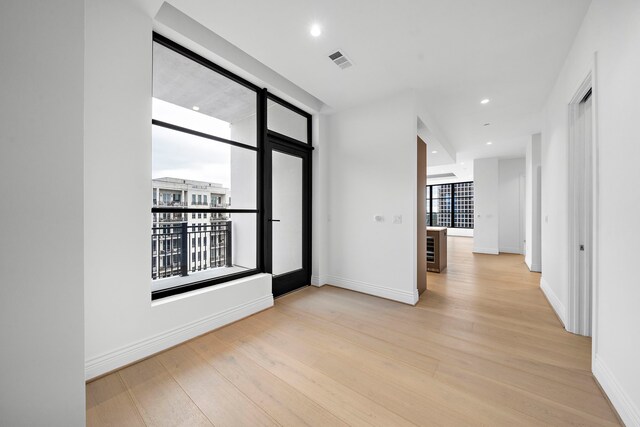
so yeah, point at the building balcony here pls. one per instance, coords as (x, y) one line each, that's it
(178, 257)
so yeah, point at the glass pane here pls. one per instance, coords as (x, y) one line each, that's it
(464, 205)
(193, 96)
(287, 122)
(186, 250)
(191, 171)
(287, 208)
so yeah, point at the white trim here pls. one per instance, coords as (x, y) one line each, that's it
(536, 268)
(511, 250)
(553, 299)
(623, 403)
(406, 297)
(595, 211)
(460, 232)
(139, 350)
(315, 281)
(489, 251)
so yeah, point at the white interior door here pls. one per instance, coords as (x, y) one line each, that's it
(584, 217)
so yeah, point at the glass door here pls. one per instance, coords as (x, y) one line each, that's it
(288, 217)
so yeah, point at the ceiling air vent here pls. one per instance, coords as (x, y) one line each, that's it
(340, 59)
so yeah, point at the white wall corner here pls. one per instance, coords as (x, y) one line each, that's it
(535, 268)
(407, 297)
(315, 281)
(555, 302)
(622, 402)
(126, 355)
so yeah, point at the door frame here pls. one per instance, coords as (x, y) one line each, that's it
(288, 282)
(581, 299)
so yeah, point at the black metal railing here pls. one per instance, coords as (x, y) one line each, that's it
(171, 203)
(180, 249)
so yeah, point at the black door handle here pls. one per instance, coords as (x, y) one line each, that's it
(273, 220)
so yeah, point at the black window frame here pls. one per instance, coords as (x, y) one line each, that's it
(259, 149)
(429, 203)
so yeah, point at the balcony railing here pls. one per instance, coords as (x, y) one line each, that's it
(170, 217)
(170, 203)
(180, 249)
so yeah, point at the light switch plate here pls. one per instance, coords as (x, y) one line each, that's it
(378, 218)
(397, 219)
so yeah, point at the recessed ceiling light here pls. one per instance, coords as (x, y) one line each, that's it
(315, 30)
(462, 163)
(485, 101)
(195, 108)
(489, 143)
(434, 152)
(486, 124)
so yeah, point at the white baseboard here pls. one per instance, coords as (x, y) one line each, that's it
(555, 302)
(489, 251)
(126, 355)
(511, 250)
(315, 281)
(406, 297)
(536, 268)
(623, 403)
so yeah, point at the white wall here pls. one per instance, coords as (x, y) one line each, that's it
(499, 189)
(121, 323)
(533, 255)
(511, 205)
(41, 292)
(372, 171)
(320, 201)
(612, 29)
(486, 177)
(460, 232)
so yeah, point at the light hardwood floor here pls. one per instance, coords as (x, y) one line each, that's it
(482, 347)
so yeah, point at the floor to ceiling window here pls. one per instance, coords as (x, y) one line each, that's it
(214, 177)
(205, 164)
(450, 205)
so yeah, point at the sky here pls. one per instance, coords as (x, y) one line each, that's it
(180, 155)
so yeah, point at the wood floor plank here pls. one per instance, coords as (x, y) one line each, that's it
(481, 347)
(548, 411)
(159, 398)
(589, 400)
(348, 405)
(219, 400)
(417, 385)
(282, 402)
(109, 403)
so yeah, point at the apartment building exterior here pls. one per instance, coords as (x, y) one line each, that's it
(184, 242)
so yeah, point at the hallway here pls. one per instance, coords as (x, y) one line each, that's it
(481, 347)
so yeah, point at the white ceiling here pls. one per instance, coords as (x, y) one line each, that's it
(453, 52)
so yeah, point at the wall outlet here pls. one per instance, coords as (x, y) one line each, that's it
(378, 218)
(397, 219)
